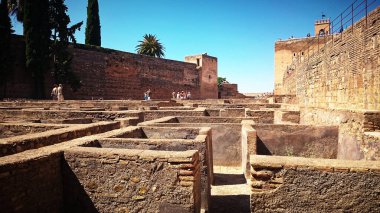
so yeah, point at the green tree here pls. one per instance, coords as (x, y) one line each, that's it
(5, 39)
(37, 38)
(150, 46)
(93, 36)
(62, 72)
(221, 80)
(16, 8)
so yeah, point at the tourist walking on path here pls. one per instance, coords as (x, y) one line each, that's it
(54, 92)
(60, 93)
(173, 95)
(188, 96)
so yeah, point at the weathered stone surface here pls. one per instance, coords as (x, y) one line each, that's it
(297, 140)
(309, 187)
(342, 73)
(140, 184)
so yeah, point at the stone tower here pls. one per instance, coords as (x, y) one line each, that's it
(322, 27)
(208, 78)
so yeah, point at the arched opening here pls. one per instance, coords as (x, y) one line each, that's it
(321, 32)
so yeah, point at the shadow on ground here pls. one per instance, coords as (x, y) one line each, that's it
(228, 179)
(230, 194)
(230, 204)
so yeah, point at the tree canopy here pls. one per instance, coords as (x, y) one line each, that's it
(151, 46)
(37, 40)
(93, 36)
(221, 80)
(61, 35)
(5, 38)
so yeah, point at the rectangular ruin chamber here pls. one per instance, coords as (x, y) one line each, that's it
(109, 180)
(297, 140)
(288, 140)
(226, 135)
(159, 133)
(167, 139)
(84, 179)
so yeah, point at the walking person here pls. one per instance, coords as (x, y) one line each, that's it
(60, 93)
(173, 95)
(188, 96)
(54, 92)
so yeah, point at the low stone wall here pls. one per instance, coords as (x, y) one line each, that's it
(248, 146)
(208, 120)
(155, 114)
(21, 143)
(158, 133)
(261, 116)
(109, 105)
(291, 116)
(167, 139)
(16, 129)
(297, 140)
(33, 185)
(40, 114)
(352, 125)
(202, 143)
(114, 180)
(233, 112)
(372, 145)
(294, 184)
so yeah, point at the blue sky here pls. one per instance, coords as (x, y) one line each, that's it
(240, 33)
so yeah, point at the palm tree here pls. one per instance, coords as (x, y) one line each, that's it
(150, 46)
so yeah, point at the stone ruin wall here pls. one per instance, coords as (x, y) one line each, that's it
(228, 90)
(345, 73)
(284, 184)
(111, 74)
(288, 52)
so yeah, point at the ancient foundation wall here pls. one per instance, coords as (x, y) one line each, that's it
(344, 73)
(114, 180)
(294, 184)
(32, 185)
(17, 144)
(226, 137)
(40, 114)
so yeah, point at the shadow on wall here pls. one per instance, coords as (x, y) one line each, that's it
(261, 149)
(75, 198)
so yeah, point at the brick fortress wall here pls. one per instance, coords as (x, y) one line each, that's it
(111, 74)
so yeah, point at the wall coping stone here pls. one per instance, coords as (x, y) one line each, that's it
(264, 161)
(187, 156)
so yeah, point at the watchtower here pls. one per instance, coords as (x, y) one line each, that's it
(322, 27)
